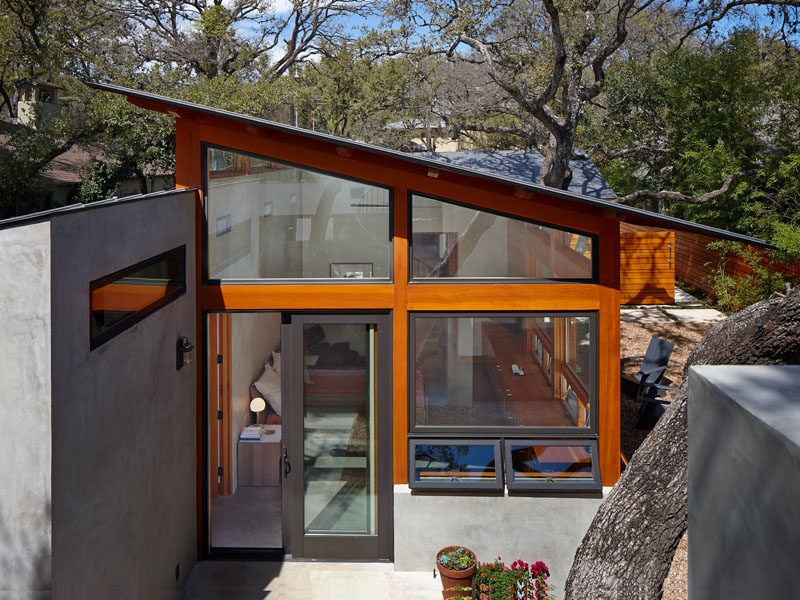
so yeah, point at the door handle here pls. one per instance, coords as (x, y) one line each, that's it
(287, 467)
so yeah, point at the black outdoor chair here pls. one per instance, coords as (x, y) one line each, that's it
(649, 386)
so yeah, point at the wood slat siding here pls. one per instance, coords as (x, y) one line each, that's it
(647, 266)
(694, 261)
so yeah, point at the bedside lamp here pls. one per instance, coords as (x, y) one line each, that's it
(257, 405)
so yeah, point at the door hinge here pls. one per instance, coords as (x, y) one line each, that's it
(219, 359)
(219, 415)
(219, 471)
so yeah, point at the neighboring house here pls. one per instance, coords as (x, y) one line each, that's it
(431, 353)
(37, 98)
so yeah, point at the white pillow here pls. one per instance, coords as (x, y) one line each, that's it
(269, 385)
(276, 362)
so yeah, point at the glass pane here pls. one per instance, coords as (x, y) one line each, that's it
(267, 220)
(502, 371)
(452, 462)
(128, 296)
(339, 442)
(551, 464)
(448, 240)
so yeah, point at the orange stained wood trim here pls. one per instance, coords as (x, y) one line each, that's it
(608, 355)
(188, 158)
(227, 450)
(503, 296)
(382, 170)
(322, 296)
(400, 342)
(213, 399)
(128, 296)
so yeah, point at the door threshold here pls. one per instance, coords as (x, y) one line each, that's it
(261, 554)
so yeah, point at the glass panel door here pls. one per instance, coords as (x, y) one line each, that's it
(341, 438)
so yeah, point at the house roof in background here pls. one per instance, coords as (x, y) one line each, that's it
(525, 167)
(628, 213)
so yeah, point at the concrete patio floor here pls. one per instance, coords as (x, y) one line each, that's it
(317, 580)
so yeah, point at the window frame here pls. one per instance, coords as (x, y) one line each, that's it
(494, 431)
(554, 486)
(97, 340)
(595, 260)
(206, 280)
(446, 485)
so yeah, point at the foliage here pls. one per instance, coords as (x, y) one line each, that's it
(456, 558)
(100, 178)
(734, 292)
(520, 581)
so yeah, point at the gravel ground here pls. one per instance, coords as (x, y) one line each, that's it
(634, 341)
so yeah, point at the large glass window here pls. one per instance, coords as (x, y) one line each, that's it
(126, 297)
(479, 371)
(268, 220)
(453, 241)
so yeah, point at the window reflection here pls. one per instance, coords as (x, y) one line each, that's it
(449, 240)
(285, 222)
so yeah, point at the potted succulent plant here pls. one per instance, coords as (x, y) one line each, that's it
(457, 566)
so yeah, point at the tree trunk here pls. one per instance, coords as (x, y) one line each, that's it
(629, 547)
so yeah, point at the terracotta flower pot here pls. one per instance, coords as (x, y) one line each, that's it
(452, 578)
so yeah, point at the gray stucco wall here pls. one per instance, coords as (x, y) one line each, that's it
(744, 482)
(549, 529)
(124, 443)
(25, 520)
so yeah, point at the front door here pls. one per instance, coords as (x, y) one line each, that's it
(337, 492)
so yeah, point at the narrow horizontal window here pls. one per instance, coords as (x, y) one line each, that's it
(455, 464)
(449, 240)
(484, 372)
(558, 465)
(126, 297)
(270, 220)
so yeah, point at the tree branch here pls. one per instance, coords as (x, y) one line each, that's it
(679, 197)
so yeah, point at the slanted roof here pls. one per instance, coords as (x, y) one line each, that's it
(525, 167)
(630, 214)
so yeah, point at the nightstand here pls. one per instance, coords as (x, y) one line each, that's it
(259, 461)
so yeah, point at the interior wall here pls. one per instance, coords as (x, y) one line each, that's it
(124, 418)
(253, 337)
(25, 426)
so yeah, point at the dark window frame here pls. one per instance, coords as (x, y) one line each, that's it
(503, 431)
(468, 486)
(206, 280)
(554, 486)
(594, 279)
(98, 339)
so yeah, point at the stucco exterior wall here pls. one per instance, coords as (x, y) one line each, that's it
(25, 327)
(744, 482)
(124, 442)
(532, 528)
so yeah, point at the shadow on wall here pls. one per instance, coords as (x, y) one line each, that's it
(25, 559)
(212, 580)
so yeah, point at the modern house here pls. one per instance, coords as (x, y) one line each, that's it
(429, 355)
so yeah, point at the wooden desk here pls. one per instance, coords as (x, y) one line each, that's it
(258, 462)
(525, 399)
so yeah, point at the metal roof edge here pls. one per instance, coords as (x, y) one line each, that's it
(46, 215)
(622, 210)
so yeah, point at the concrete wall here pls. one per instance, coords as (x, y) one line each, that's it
(124, 443)
(253, 337)
(744, 482)
(543, 528)
(25, 327)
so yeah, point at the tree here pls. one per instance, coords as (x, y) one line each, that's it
(549, 59)
(650, 498)
(245, 38)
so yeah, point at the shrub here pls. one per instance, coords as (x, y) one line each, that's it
(734, 292)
